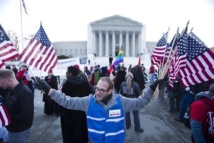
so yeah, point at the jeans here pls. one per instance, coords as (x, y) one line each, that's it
(171, 101)
(161, 93)
(20, 137)
(186, 101)
(136, 119)
(3, 134)
(152, 77)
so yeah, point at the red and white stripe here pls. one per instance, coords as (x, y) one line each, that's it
(39, 56)
(4, 116)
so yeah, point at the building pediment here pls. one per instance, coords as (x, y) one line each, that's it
(116, 20)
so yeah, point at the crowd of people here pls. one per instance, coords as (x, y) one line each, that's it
(88, 100)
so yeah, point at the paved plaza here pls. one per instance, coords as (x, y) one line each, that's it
(158, 123)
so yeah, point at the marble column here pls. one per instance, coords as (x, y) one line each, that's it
(139, 43)
(94, 49)
(100, 44)
(107, 44)
(127, 44)
(121, 39)
(133, 45)
(113, 43)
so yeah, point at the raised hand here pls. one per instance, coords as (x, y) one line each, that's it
(155, 84)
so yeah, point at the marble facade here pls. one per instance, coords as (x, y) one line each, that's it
(108, 35)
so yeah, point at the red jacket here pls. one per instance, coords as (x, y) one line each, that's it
(152, 69)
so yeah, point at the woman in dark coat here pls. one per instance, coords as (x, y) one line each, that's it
(118, 79)
(138, 76)
(73, 123)
(49, 105)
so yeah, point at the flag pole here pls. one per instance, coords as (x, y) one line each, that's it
(22, 42)
(168, 64)
(162, 60)
(171, 55)
(191, 30)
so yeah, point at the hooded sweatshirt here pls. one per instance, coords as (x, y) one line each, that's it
(198, 116)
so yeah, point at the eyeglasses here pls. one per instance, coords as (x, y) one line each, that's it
(101, 90)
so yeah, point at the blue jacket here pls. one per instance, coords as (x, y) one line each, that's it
(106, 126)
(89, 104)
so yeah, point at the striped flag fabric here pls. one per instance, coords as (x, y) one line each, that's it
(24, 6)
(167, 59)
(159, 50)
(200, 62)
(7, 50)
(4, 116)
(179, 58)
(1, 64)
(39, 52)
(181, 53)
(169, 50)
(119, 59)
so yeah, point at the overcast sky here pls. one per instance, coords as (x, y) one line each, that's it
(67, 20)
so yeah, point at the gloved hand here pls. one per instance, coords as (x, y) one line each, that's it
(155, 84)
(43, 85)
(166, 78)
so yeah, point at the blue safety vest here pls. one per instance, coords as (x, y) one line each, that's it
(105, 126)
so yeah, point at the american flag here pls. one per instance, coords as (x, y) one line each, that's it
(179, 59)
(7, 49)
(24, 6)
(159, 51)
(171, 74)
(169, 51)
(199, 66)
(4, 116)
(168, 56)
(1, 64)
(39, 52)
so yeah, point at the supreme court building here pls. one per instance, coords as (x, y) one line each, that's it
(108, 35)
(105, 38)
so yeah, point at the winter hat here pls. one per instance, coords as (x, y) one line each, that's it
(73, 70)
(211, 90)
(201, 95)
(77, 66)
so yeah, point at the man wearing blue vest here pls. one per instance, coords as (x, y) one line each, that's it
(105, 109)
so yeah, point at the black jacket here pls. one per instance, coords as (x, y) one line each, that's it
(138, 77)
(73, 122)
(53, 84)
(20, 106)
